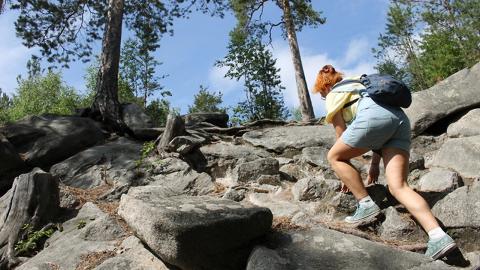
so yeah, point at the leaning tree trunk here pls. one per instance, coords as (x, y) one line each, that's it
(174, 127)
(106, 97)
(303, 95)
(33, 200)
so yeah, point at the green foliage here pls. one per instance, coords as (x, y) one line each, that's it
(147, 149)
(137, 66)
(426, 41)
(253, 63)
(66, 30)
(43, 94)
(251, 23)
(296, 113)
(206, 101)
(33, 238)
(158, 110)
(125, 92)
(5, 105)
(81, 224)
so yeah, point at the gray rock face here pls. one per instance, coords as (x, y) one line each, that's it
(194, 232)
(312, 188)
(113, 162)
(439, 180)
(279, 139)
(235, 194)
(468, 125)
(12, 164)
(263, 258)
(457, 92)
(215, 118)
(65, 249)
(400, 227)
(316, 156)
(135, 117)
(307, 250)
(133, 256)
(251, 171)
(185, 183)
(45, 140)
(460, 154)
(460, 208)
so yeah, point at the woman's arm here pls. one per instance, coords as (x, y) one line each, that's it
(339, 124)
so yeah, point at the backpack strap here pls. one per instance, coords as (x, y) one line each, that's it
(350, 103)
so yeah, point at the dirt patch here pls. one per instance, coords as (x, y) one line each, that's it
(94, 259)
(284, 224)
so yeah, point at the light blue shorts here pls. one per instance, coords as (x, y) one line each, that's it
(378, 126)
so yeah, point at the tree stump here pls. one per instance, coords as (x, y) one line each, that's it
(173, 128)
(32, 200)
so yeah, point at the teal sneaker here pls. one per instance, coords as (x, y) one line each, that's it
(363, 215)
(440, 248)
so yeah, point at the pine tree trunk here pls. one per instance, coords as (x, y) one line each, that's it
(106, 97)
(303, 95)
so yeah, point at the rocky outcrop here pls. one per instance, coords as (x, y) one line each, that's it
(398, 227)
(44, 140)
(215, 118)
(135, 117)
(468, 125)
(454, 94)
(194, 232)
(461, 155)
(263, 258)
(460, 208)
(113, 162)
(12, 164)
(251, 171)
(280, 139)
(439, 180)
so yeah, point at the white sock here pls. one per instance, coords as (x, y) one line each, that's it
(436, 233)
(366, 202)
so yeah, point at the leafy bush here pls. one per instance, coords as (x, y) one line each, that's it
(33, 238)
(43, 94)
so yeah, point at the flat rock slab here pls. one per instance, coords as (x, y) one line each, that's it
(194, 232)
(321, 248)
(461, 155)
(279, 139)
(114, 162)
(456, 93)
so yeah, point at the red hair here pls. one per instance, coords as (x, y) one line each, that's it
(326, 78)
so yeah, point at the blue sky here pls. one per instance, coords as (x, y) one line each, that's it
(188, 57)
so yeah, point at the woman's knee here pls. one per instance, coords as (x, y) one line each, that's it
(397, 188)
(333, 156)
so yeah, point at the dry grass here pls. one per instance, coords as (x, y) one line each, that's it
(284, 224)
(94, 259)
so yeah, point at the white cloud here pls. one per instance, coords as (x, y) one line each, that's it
(312, 62)
(218, 81)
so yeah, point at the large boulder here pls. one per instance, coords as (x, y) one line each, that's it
(461, 155)
(310, 188)
(114, 162)
(215, 118)
(12, 164)
(194, 232)
(135, 117)
(439, 180)
(321, 248)
(398, 227)
(44, 140)
(263, 258)
(251, 171)
(279, 139)
(460, 208)
(456, 93)
(468, 125)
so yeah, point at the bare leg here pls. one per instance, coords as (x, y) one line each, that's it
(339, 157)
(396, 171)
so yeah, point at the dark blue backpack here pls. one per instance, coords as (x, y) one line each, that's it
(384, 89)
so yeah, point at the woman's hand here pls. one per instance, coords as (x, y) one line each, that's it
(374, 170)
(373, 174)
